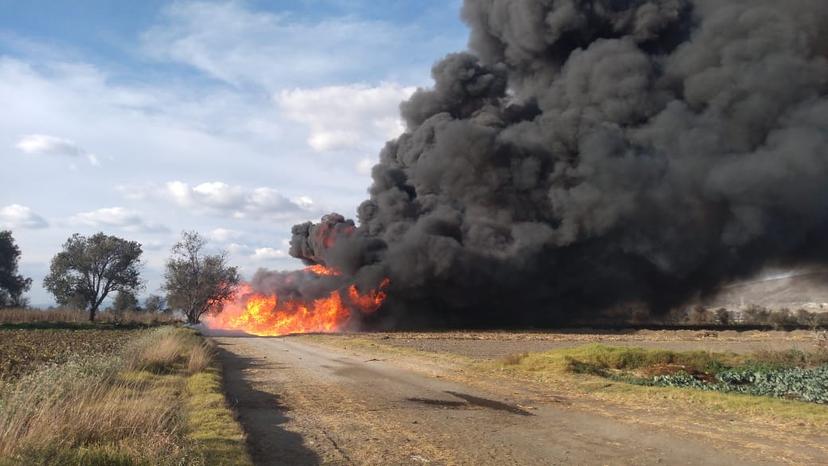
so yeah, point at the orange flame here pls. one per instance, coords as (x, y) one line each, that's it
(320, 269)
(368, 302)
(271, 315)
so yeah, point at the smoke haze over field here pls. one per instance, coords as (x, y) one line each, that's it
(590, 154)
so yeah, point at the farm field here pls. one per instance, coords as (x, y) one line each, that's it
(495, 344)
(23, 351)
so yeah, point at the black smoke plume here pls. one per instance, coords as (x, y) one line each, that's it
(586, 154)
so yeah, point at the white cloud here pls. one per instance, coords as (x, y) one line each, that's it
(50, 145)
(365, 165)
(223, 234)
(214, 194)
(270, 50)
(355, 116)
(43, 144)
(266, 254)
(116, 217)
(305, 202)
(239, 201)
(18, 216)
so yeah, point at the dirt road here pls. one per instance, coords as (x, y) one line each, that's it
(302, 402)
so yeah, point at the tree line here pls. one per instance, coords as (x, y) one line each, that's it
(89, 269)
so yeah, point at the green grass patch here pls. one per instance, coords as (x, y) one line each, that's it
(783, 384)
(210, 423)
(601, 360)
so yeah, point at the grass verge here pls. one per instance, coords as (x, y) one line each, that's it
(144, 406)
(615, 373)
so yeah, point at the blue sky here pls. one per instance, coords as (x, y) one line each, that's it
(236, 119)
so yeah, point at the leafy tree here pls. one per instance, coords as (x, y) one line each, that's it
(804, 317)
(198, 283)
(677, 316)
(781, 318)
(125, 301)
(88, 269)
(12, 284)
(756, 314)
(154, 303)
(722, 316)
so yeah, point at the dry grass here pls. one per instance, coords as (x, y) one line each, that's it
(792, 357)
(160, 351)
(200, 358)
(132, 408)
(78, 316)
(822, 341)
(50, 414)
(513, 359)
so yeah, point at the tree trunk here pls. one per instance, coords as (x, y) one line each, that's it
(92, 311)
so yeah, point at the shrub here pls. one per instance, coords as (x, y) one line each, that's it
(605, 358)
(161, 351)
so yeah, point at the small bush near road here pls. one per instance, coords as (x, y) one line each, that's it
(161, 351)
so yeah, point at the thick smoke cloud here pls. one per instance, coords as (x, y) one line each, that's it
(590, 154)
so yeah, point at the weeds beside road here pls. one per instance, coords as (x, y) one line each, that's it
(155, 399)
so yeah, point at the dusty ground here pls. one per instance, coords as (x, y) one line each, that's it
(485, 345)
(329, 400)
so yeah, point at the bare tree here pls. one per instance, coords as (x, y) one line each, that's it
(197, 283)
(88, 269)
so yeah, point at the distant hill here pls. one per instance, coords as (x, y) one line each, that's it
(793, 290)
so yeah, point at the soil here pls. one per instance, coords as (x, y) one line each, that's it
(310, 400)
(489, 345)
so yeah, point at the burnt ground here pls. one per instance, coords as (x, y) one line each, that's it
(345, 400)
